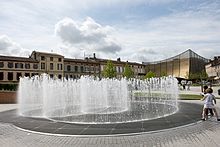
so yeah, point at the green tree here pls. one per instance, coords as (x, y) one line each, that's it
(150, 74)
(198, 76)
(163, 74)
(109, 70)
(128, 72)
(203, 75)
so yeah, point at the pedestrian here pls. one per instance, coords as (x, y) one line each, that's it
(209, 98)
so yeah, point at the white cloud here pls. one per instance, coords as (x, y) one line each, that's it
(9, 47)
(89, 3)
(144, 36)
(88, 35)
(197, 28)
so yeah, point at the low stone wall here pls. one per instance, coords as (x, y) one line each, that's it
(8, 97)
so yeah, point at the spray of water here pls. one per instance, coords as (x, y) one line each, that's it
(90, 100)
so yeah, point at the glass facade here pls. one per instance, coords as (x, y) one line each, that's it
(180, 66)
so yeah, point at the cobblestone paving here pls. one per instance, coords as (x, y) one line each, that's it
(200, 134)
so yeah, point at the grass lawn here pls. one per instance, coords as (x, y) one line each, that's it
(191, 97)
(181, 96)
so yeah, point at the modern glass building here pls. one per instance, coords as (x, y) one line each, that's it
(180, 66)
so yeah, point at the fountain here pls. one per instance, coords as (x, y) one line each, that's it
(93, 101)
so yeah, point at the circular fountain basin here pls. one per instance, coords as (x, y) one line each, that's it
(139, 111)
(187, 114)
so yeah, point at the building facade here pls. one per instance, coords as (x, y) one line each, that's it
(213, 68)
(180, 66)
(55, 65)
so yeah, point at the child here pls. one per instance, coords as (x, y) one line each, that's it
(209, 98)
(203, 94)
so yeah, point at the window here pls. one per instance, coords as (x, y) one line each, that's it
(76, 68)
(10, 65)
(42, 65)
(119, 69)
(51, 75)
(59, 59)
(27, 66)
(51, 66)
(42, 57)
(35, 66)
(18, 65)
(59, 76)
(59, 66)
(27, 74)
(18, 76)
(1, 64)
(81, 69)
(68, 68)
(87, 68)
(51, 58)
(10, 76)
(1, 75)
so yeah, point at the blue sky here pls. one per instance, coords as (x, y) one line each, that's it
(140, 30)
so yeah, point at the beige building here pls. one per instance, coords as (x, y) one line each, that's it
(50, 63)
(55, 65)
(138, 69)
(74, 68)
(11, 68)
(213, 68)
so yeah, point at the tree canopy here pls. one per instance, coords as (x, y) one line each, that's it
(150, 74)
(198, 76)
(128, 72)
(109, 70)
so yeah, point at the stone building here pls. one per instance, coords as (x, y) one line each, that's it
(213, 68)
(55, 65)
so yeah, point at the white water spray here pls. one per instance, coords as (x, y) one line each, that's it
(88, 100)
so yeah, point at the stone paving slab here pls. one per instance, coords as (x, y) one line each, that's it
(200, 134)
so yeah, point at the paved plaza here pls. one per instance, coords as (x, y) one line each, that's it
(197, 133)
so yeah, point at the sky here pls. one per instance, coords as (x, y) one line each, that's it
(134, 30)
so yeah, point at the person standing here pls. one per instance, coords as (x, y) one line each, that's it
(209, 98)
(203, 94)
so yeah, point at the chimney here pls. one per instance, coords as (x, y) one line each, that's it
(94, 56)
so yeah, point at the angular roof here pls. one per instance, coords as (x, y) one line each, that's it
(189, 53)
